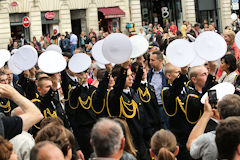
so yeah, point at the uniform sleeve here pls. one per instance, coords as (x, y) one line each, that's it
(12, 126)
(138, 78)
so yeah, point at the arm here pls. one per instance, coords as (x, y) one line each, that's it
(200, 127)
(32, 114)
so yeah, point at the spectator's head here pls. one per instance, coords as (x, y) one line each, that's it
(6, 150)
(9, 74)
(100, 74)
(229, 106)
(211, 27)
(229, 36)
(43, 85)
(164, 145)
(198, 75)
(206, 27)
(51, 120)
(3, 78)
(197, 26)
(46, 151)
(228, 138)
(228, 63)
(156, 60)
(58, 135)
(171, 72)
(107, 139)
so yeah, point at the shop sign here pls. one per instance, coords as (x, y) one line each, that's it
(49, 15)
(55, 29)
(14, 4)
(165, 12)
(26, 22)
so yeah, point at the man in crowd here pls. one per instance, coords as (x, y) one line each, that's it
(109, 133)
(202, 145)
(46, 151)
(228, 138)
(157, 79)
(11, 126)
(73, 40)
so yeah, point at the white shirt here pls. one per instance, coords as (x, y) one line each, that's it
(73, 39)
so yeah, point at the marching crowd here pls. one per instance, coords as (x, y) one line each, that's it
(141, 109)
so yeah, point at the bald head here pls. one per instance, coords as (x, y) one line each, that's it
(46, 151)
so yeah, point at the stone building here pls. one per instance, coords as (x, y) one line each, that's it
(51, 16)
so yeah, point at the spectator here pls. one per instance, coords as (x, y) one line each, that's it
(142, 33)
(92, 32)
(47, 40)
(73, 40)
(228, 138)
(6, 150)
(10, 45)
(66, 45)
(164, 145)
(42, 43)
(13, 126)
(82, 40)
(46, 151)
(110, 134)
(22, 143)
(67, 35)
(173, 28)
(202, 145)
(37, 45)
(228, 65)
(184, 29)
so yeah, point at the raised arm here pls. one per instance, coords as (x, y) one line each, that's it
(32, 114)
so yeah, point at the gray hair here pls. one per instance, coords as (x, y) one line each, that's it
(106, 137)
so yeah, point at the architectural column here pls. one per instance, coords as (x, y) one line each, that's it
(36, 25)
(65, 18)
(5, 30)
(124, 5)
(136, 14)
(92, 17)
(225, 12)
(188, 7)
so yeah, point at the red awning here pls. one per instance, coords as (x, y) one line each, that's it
(113, 12)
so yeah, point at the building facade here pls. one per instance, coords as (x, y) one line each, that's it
(214, 11)
(60, 16)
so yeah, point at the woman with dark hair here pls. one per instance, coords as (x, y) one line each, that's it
(228, 65)
(6, 150)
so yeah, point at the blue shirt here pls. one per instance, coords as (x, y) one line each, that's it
(156, 82)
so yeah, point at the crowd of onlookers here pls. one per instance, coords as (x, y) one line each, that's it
(113, 138)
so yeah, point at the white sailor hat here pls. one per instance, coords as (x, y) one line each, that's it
(117, 48)
(97, 52)
(51, 62)
(139, 45)
(210, 46)
(180, 53)
(79, 62)
(25, 57)
(54, 47)
(222, 90)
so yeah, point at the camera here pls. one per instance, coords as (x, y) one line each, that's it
(212, 94)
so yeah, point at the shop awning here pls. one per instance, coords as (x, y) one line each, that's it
(113, 12)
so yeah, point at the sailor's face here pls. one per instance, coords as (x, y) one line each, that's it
(111, 82)
(9, 74)
(174, 74)
(45, 87)
(201, 78)
(129, 79)
(4, 79)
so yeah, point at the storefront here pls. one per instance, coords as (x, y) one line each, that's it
(157, 11)
(109, 18)
(206, 10)
(78, 21)
(17, 28)
(50, 22)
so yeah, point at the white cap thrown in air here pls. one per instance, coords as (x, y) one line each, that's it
(139, 45)
(79, 62)
(180, 53)
(51, 62)
(12, 66)
(25, 57)
(210, 46)
(117, 48)
(97, 52)
(54, 47)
